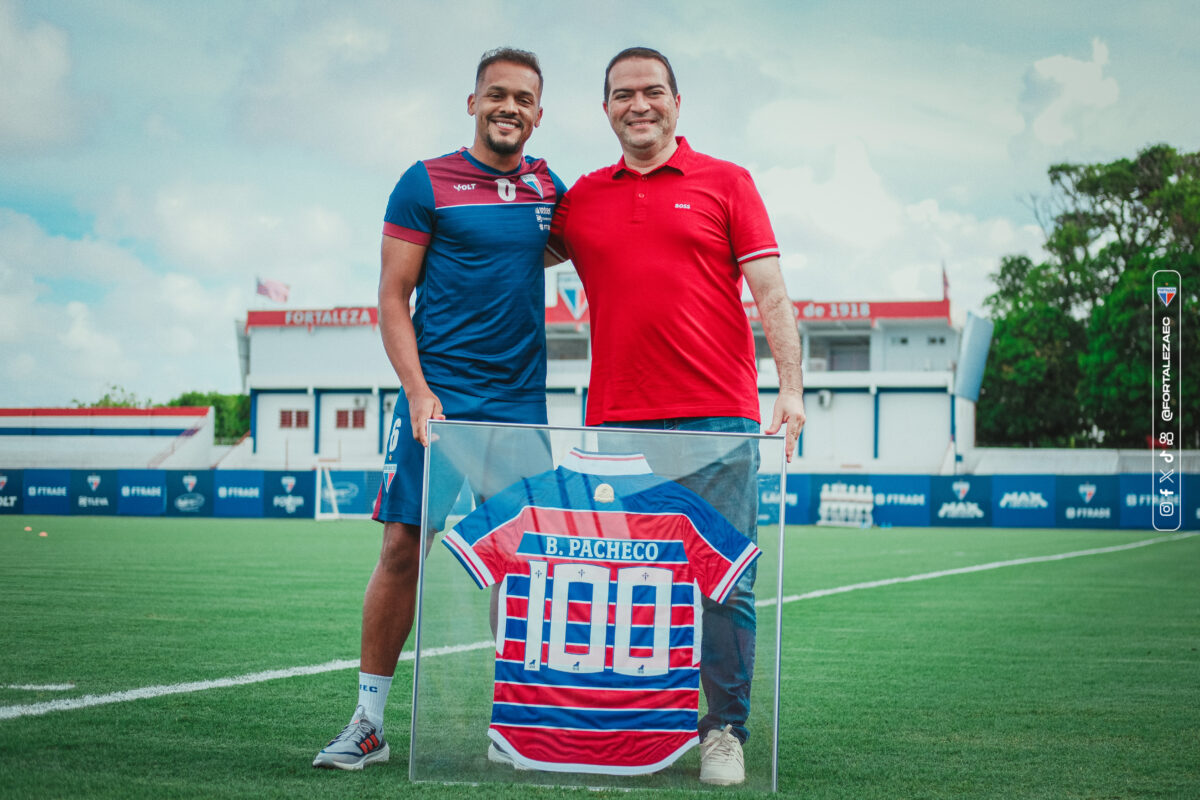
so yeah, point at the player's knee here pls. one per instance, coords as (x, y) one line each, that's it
(400, 552)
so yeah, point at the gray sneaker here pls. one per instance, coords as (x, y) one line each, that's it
(360, 743)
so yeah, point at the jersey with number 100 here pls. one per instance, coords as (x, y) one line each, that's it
(596, 656)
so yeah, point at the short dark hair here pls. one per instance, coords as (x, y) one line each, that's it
(640, 52)
(511, 55)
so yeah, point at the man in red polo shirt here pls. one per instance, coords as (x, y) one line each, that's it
(662, 241)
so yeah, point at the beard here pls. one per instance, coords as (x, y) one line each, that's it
(502, 147)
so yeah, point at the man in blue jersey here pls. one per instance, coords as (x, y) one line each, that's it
(466, 231)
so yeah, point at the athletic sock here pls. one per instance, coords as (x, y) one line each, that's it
(372, 696)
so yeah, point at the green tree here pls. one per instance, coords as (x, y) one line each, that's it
(1079, 323)
(232, 412)
(114, 397)
(1028, 392)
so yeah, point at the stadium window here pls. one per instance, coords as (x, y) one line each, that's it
(937, 339)
(285, 419)
(358, 419)
(301, 419)
(343, 418)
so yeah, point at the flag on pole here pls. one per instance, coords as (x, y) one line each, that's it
(945, 283)
(273, 289)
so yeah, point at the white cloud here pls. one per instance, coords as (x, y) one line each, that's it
(336, 88)
(234, 232)
(852, 208)
(1063, 90)
(154, 335)
(37, 109)
(850, 238)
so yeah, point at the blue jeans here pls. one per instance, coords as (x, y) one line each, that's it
(728, 480)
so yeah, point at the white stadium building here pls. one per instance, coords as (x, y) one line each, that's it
(322, 388)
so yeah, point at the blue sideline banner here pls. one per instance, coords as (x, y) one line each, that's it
(1087, 501)
(143, 492)
(239, 493)
(795, 503)
(1023, 501)
(12, 482)
(289, 493)
(902, 500)
(46, 491)
(962, 500)
(1191, 502)
(94, 491)
(1137, 499)
(189, 493)
(354, 489)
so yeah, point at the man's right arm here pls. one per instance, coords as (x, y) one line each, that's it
(400, 269)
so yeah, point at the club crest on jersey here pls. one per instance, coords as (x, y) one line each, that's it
(288, 482)
(604, 494)
(533, 183)
(1166, 294)
(960, 489)
(189, 482)
(93, 481)
(570, 289)
(1087, 491)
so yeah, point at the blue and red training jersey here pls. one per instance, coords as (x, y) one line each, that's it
(480, 310)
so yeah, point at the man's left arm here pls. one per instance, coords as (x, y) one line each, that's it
(778, 317)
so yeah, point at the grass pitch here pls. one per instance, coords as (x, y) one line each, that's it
(1069, 678)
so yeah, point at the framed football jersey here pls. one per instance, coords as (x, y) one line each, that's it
(593, 623)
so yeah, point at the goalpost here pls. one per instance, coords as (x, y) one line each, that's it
(329, 493)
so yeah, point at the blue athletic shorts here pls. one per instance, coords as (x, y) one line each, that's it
(492, 459)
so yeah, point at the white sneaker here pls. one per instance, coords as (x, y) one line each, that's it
(721, 761)
(498, 756)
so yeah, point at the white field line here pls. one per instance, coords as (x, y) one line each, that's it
(146, 692)
(41, 687)
(1016, 562)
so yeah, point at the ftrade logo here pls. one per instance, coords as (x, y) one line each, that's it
(141, 491)
(238, 492)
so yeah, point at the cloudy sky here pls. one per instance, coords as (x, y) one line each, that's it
(156, 157)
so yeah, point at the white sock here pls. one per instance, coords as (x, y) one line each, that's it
(372, 697)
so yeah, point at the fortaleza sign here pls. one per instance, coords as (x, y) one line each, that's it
(313, 318)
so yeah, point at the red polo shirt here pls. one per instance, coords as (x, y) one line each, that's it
(660, 258)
